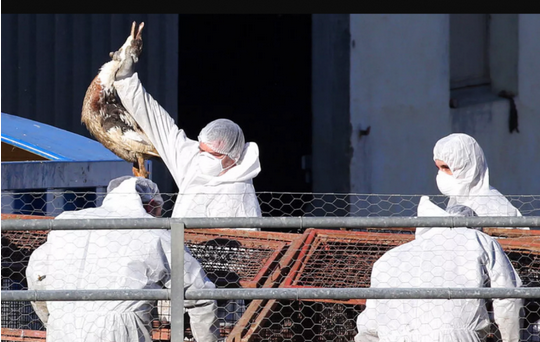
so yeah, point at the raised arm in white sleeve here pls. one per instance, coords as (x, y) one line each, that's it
(175, 149)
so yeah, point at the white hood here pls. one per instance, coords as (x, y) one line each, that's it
(466, 160)
(248, 167)
(121, 202)
(426, 208)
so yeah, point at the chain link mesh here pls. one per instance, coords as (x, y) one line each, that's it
(281, 204)
(269, 259)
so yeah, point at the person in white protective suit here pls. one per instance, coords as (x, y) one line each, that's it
(114, 259)
(464, 177)
(441, 257)
(214, 174)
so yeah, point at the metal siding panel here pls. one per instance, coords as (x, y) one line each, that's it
(26, 64)
(119, 31)
(63, 63)
(9, 62)
(82, 73)
(152, 45)
(99, 40)
(58, 174)
(49, 60)
(44, 73)
(171, 62)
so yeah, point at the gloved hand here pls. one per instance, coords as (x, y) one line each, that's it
(127, 64)
(129, 53)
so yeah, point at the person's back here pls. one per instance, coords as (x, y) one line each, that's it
(103, 259)
(114, 259)
(441, 257)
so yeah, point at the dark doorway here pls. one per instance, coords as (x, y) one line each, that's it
(255, 70)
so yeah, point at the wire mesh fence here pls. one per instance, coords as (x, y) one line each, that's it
(293, 258)
(273, 204)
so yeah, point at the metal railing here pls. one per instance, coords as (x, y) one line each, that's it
(177, 227)
(272, 222)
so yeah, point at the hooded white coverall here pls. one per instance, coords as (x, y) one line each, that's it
(112, 259)
(229, 195)
(468, 164)
(441, 257)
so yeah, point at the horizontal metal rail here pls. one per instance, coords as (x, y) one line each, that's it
(274, 293)
(81, 295)
(271, 222)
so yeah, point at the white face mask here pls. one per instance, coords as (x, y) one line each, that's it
(211, 165)
(448, 185)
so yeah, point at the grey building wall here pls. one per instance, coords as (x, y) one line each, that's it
(48, 61)
(331, 127)
(399, 88)
(394, 74)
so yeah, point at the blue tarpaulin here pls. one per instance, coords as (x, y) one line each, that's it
(51, 142)
(71, 160)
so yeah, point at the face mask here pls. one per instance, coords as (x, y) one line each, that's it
(209, 164)
(448, 185)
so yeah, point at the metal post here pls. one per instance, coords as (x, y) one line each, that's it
(177, 282)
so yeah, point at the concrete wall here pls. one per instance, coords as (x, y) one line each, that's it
(515, 167)
(399, 87)
(512, 157)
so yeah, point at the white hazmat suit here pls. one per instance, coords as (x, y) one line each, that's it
(229, 195)
(441, 257)
(199, 195)
(112, 259)
(469, 184)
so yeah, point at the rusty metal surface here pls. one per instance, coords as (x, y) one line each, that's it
(243, 258)
(235, 256)
(524, 253)
(339, 258)
(316, 258)
(253, 319)
(23, 335)
(23, 217)
(511, 233)
(306, 321)
(24, 240)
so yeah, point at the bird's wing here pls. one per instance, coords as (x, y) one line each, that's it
(123, 129)
(131, 141)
